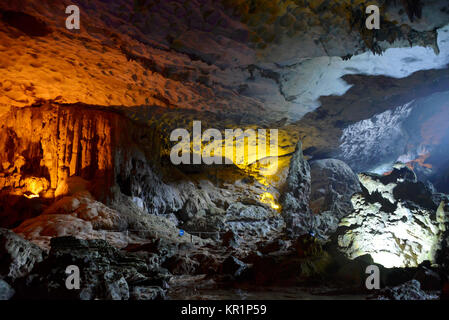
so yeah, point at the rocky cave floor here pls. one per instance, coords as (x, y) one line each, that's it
(247, 250)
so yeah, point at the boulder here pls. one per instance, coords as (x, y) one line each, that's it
(181, 264)
(17, 255)
(208, 263)
(106, 273)
(234, 267)
(333, 184)
(230, 239)
(6, 291)
(116, 289)
(79, 215)
(254, 220)
(206, 223)
(196, 201)
(147, 293)
(410, 290)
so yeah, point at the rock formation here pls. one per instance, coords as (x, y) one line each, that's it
(332, 185)
(296, 196)
(396, 220)
(56, 142)
(317, 196)
(6, 291)
(46, 145)
(410, 290)
(17, 256)
(106, 272)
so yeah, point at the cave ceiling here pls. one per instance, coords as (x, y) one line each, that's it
(309, 68)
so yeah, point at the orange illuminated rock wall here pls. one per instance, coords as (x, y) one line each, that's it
(56, 142)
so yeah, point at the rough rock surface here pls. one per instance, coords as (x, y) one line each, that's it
(231, 239)
(374, 141)
(333, 184)
(6, 292)
(252, 220)
(147, 293)
(78, 156)
(227, 61)
(45, 146)
(196, 44)
(106, 273)
(60, 142)
(115, 289)
(17, 255)
(79, 214)
(296, 196)
(220, 56)
(234, 266)
(410, 290)
(179, 265)
(106, 183)
(395, 220)
(245, 220)
(411, 133)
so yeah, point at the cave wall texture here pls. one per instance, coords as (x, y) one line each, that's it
(263, 62)
(86, 114)
(203, 55)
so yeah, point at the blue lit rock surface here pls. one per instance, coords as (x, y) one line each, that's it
(6, 292)
(396, 220)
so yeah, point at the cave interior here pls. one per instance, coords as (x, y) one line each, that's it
(224, 149)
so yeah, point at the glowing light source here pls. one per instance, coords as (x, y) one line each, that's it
(34, 186)
(31, 196)
(387, 259)
(268, 198)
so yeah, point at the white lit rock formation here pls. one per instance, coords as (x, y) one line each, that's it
(396, 220)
